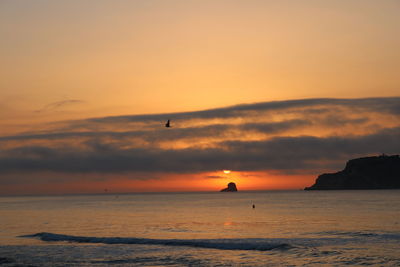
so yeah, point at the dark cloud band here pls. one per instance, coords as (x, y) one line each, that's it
(386, 105)
(282, 153)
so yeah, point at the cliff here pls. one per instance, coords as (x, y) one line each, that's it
(382, 172)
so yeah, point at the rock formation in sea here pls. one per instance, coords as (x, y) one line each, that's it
(231, 188)
(381, 172)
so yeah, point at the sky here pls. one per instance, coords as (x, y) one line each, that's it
(278, 92)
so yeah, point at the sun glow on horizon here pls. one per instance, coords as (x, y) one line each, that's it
(227, 171)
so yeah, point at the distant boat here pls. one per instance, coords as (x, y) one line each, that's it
(167, 124)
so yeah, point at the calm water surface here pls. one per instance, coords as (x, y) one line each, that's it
(286, 228)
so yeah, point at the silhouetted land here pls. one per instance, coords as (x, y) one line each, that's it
(231, 188)
(382, 172)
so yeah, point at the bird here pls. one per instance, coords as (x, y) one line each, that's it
(167, 124)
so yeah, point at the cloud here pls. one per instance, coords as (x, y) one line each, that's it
(384, 105)
(281, 153)
(286, 136)
(215, 177)
(59, 104)
(174, 134)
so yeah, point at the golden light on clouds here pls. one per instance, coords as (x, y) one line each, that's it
(277, 145)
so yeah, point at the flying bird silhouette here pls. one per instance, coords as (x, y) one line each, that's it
(167, 124)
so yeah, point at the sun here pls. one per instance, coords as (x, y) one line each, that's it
(227, 171)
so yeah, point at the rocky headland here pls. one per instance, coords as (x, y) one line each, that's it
(381, 172)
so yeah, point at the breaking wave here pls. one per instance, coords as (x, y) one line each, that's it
(259, 244)
(225, 244)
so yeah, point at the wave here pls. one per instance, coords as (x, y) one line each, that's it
(365, 234)
(259, 244)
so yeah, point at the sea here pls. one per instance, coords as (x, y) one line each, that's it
(285, 228)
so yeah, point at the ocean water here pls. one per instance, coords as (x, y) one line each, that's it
(286, 228)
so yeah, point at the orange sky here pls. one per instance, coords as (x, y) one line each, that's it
(130, 57)
(66, 61)
(168, 183)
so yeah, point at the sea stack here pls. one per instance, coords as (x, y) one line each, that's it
(382, 172)
(231, 188)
